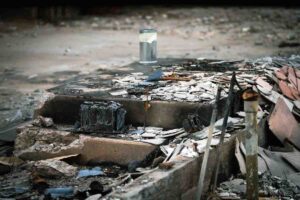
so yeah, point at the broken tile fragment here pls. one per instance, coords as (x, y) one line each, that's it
(292, 77)
(283, 124)
(284, 69)
(286, 90)
(280, 75)
(264, 84)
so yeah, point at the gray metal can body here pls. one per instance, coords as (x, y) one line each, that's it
(148, 46)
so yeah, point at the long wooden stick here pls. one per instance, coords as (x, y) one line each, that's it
(229, 103)
(209, 138)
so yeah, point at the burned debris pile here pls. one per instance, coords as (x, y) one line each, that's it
(279, 129)
(190, 87)
(270, 186)
(107, 147)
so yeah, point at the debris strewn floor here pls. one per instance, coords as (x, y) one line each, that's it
(45, 144)
(93, 145)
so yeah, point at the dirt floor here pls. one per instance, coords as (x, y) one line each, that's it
(36, 55)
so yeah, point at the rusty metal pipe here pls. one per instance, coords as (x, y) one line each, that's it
(251, 143)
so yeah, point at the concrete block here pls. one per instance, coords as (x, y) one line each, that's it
(113, 150)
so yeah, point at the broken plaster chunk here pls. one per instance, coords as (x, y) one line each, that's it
(41, 121)
(117, 151)
(54, 168)
(35, 143)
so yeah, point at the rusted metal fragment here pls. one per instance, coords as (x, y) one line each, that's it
(280, 75)
(292, 77)
(285, 89)
(284, 125)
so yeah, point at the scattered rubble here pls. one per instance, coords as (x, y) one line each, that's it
(16, 109)
(269, 187)
(68, 162)
(283, 124)
(36, 143)
(53, 168)
(199, 88)
(43, 122)
(280, 164)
